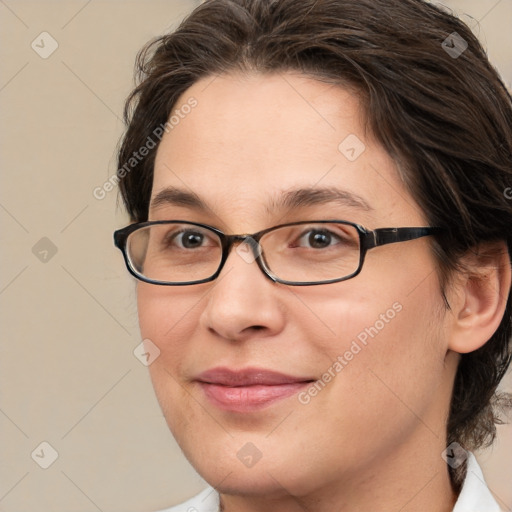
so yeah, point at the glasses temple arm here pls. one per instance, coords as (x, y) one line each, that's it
(385, 236)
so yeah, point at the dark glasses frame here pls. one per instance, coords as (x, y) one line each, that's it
(369, 239)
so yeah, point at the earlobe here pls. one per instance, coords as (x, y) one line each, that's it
(482, 293)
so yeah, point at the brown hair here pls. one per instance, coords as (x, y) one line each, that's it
(445, 119)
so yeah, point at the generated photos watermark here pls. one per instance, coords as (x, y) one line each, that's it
(151, 142)
(356, 346)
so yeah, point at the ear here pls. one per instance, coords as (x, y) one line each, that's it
(480, 296)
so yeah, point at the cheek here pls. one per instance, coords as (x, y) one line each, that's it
(387, 353)
(388, 324)
(165, 312)
(168, 318)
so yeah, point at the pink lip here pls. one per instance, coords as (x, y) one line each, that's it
(249, 389)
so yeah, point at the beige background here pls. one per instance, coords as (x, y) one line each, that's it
(69, 327)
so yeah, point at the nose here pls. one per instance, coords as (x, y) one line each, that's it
(243, 302)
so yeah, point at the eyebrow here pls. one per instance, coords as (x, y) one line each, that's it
(304, 197)
(289, 200)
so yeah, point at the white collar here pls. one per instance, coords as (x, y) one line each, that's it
(474, 496)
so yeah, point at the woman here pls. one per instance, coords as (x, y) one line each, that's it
(321, 234)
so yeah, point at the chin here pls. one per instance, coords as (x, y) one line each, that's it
(273, 475)
(249, 482)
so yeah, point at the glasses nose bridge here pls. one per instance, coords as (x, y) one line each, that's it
(230, 240)
(256, 250)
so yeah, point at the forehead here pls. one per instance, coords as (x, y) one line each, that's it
(252, 138)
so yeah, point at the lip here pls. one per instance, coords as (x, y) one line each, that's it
(248, 389)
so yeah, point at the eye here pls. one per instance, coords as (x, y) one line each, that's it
(319, 239)
(189, 239)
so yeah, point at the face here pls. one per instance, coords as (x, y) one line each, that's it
(360, 364)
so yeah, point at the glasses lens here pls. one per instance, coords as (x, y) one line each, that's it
(312, 251)
(174, 253)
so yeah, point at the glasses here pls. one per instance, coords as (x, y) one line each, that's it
(175, 252)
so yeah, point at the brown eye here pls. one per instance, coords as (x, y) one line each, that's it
(189, 239)
(319, 239)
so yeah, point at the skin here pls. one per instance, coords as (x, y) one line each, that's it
(372, 438)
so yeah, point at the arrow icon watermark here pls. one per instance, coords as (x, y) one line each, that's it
(44, 250)
(351, 147)
(44, 455)
(146, 352)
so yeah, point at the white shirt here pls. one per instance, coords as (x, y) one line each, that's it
(474, 496)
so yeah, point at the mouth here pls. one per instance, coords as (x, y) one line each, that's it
(250, 389)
